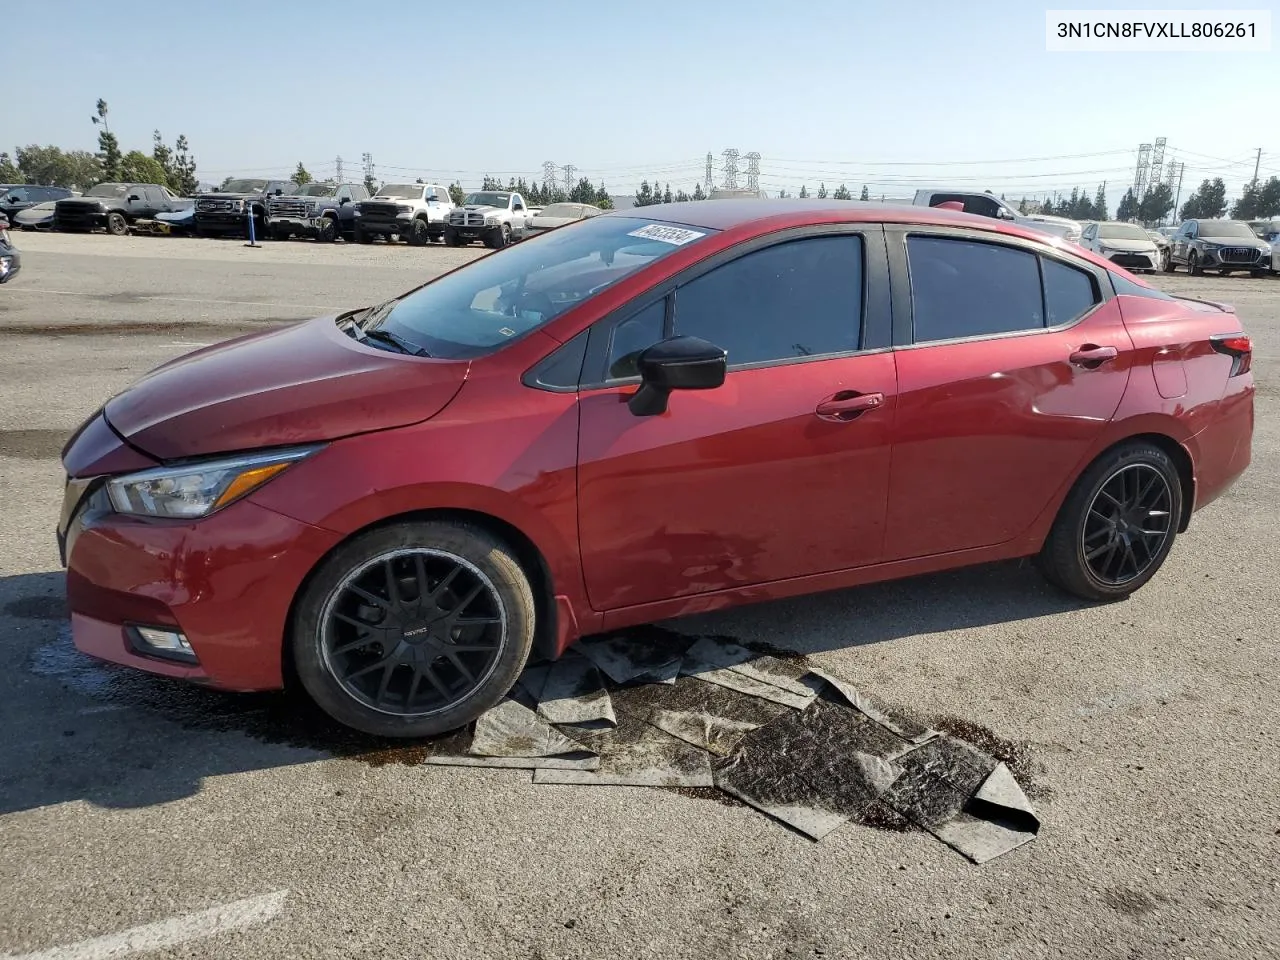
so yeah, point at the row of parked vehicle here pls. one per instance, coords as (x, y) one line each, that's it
(415, 213)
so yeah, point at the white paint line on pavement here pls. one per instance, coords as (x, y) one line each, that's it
(167, 933)
(241, 303)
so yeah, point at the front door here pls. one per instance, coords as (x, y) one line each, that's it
(1013, 365)
(781, 472)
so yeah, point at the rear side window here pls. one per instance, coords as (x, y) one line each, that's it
(965, 288)
(797, 299)
(1068, 293)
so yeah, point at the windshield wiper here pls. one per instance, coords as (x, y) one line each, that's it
(400, 343)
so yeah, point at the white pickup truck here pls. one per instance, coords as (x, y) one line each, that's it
(415, 212)
(988, 205)
(498, 217)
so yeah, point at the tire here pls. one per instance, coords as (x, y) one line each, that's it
(1193, 265)
(280, 233)
(342, 670)
(327, 232)
(117, 225)
(1091, 556)
(418, 235)
(1257, 274)
(360, 236)
(451, 238)
(1168, 264)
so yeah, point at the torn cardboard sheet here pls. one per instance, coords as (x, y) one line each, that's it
(574, 692)
(997, 819)
(625, 659)
(512, 730)
(907, 729)
(813, 770)
(636, 754)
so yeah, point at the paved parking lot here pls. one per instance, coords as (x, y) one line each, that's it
(1145, 730)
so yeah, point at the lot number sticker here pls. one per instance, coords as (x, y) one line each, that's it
(676, 236)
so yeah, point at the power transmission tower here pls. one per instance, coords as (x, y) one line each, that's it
(569, 169)
(1140, 174)
(1157, 161)
(339, 161)
(709, 181)
(368, 168)
(548, 174)
(730, 175)
(753, 171)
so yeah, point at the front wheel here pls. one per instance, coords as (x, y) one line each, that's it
(327, 232)
(451, 238)
(1117, 526)
(415, 629)
(117, 225)
(418, 235)
(1257, 274)
(1193, 265)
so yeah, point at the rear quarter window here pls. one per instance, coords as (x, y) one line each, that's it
(1068, 293)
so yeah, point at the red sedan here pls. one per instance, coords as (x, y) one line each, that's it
(642, 415)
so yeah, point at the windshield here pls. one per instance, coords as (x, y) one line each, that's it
(492, 300)
(1226, 228)
(317, 190)
(487, 199)
(1121, 231)
(108, 190)
(401, 191)
(244, 186)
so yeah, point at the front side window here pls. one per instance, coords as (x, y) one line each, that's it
(316, 190)
(112, 191)
(966, 288)
(802, 298)
(474, 310)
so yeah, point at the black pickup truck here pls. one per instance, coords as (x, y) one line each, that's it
(115, 207)
(225, 210)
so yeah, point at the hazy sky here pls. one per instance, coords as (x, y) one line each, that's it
(890, 94)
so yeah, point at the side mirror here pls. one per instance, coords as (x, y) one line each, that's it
(344, 200)
(134, 196)
(680, 363)
(1004, 214)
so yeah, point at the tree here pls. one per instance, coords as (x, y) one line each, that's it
(456, 193)
(1208, 202)
(1099, 211)
(1156, 203)
(782, 194)
(682, 197)
(1269, 198)
(1022, 207)
(491, 183)
(1247, 207)
(584, 192)
(179, 166)
(666, 196)
(9, 173)
(645, 195)
(865, 195)
(842, 193)
(822, 191)
(108, 145)
(137, 167)
(50, 167)
(698, 193)
(300, 176)
(1128, 209)
(804, 192)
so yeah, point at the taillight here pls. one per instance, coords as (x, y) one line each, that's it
(1237, 346)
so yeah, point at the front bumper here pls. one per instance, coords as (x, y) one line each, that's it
(221, 221)
(1215, 259)
(474, 232)
(80, 221)
(308, 226)
(1131, 260)
(225, 582)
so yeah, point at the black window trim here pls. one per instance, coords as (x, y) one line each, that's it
(900, 280)
(875, 293)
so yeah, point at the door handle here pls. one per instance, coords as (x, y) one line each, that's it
(847, 405)
(1090, 356)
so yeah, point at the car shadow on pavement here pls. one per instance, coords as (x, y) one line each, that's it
(77, 729)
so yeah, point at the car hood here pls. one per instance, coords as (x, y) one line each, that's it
(40, 211)
(481, 208)
(229, 196)
(304, 383)
(1236, 242)
(1126, 245)
(88, 201)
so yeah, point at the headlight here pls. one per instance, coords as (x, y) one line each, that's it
(492, 221)
(356, 212)
(198, 489)
(404, 210)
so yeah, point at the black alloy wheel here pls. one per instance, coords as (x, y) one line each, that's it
(117, 225)
(1127, 525)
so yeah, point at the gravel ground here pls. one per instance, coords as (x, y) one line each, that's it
(1145, 728)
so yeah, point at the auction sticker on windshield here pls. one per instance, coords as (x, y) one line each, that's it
(677, 236)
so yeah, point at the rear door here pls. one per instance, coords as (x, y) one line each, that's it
(781, 472)
(1011, 361)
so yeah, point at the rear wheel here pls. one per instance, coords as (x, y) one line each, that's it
(415, 629)
(117, 225)
(1117, 525)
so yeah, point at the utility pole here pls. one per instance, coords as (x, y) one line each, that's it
(1178, 196)
(339, 162)
(368, 169)
(1256, 163)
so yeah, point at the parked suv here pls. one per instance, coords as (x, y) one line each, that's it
(226, 210)
(496, 217)
(16, 199)
(324, 211)
(415, 212)
(1222, 245)
(115, 207)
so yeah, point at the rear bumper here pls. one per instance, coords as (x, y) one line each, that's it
(1223, 450)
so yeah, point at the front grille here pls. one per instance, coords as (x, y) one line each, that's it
(287, 207)
(378, 209)
(466, 218)
(1239, 255)
(217, 206)
(1140, 260)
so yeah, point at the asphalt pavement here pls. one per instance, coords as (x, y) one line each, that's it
(194, 824)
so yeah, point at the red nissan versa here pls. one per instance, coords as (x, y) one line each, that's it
(642, 415)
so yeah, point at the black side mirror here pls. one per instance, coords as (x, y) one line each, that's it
(134, 196)
(680, 363)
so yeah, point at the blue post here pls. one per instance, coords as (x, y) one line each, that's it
(253, 242)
